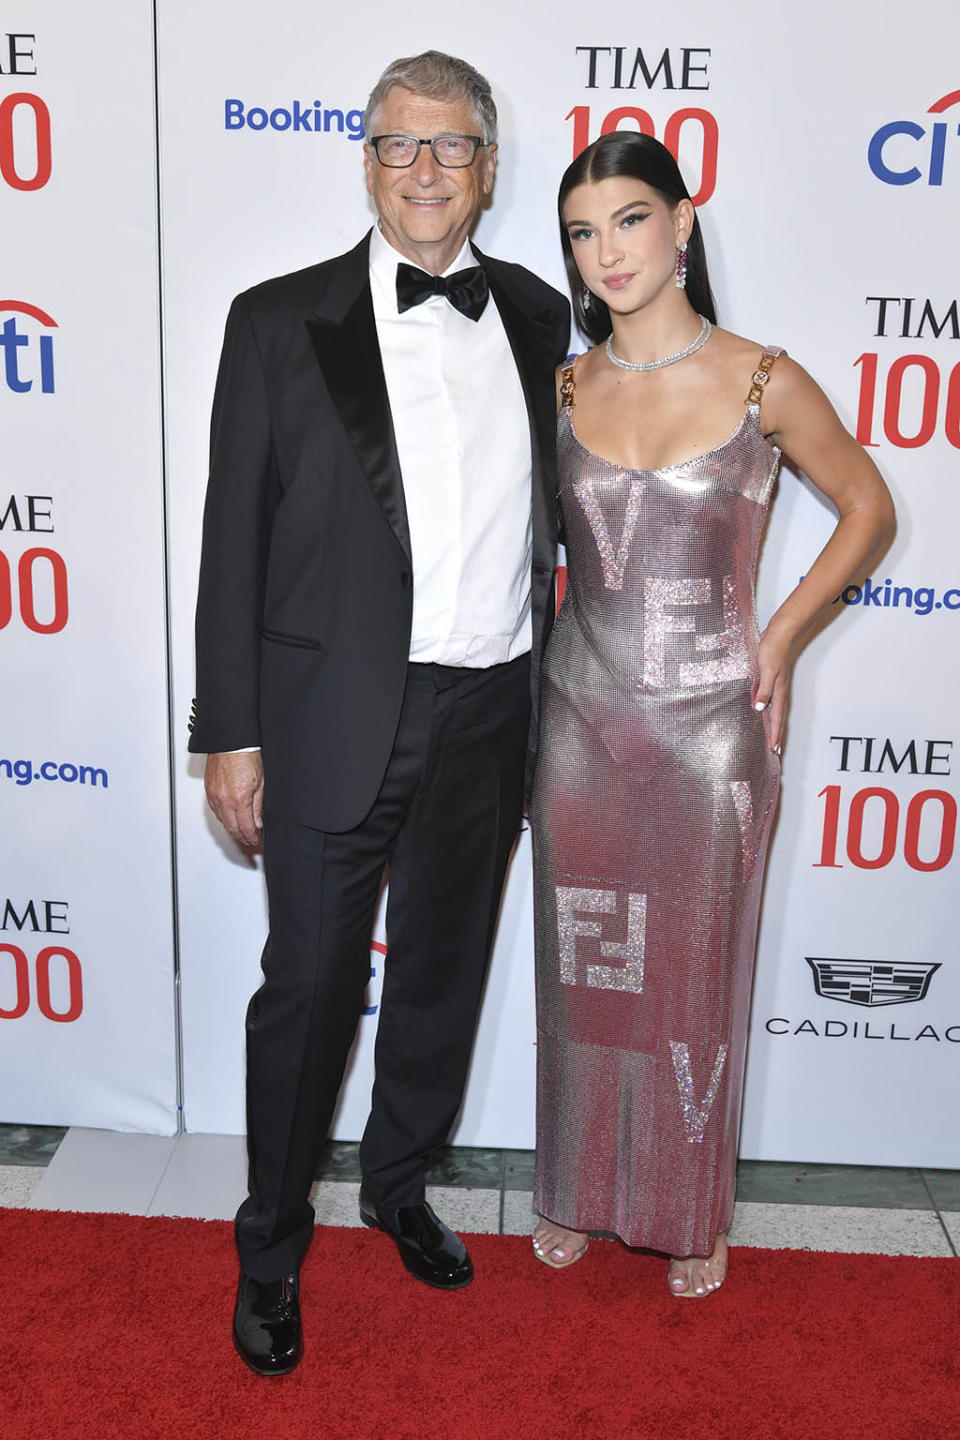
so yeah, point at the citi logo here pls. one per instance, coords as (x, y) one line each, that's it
(27, 355)
(870, 982)
(903, 152)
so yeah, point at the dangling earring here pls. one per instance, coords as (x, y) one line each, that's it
(681, 281)
(585, 298)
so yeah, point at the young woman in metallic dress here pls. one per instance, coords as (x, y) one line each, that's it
(662, 713)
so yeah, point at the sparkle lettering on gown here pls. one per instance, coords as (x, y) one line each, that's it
(654, 797)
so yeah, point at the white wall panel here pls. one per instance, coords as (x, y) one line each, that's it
(84, 790)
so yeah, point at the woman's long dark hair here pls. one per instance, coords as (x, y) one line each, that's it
(640, 157)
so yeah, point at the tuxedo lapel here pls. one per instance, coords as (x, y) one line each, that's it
(531, 334)
(344, 336)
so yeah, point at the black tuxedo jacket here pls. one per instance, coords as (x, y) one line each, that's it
(305, 599)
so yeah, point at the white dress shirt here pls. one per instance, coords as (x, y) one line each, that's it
(463, 440)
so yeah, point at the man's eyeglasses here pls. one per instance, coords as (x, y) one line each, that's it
(453, 152)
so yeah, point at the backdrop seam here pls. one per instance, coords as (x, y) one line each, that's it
(168, 619)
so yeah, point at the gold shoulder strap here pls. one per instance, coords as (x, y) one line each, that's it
(568, 386)
(760, 376)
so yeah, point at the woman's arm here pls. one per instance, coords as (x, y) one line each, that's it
(805, 425)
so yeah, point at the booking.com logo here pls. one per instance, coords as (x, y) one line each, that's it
(898, 142)
(315, 118)
(24, 772)
(921, 599)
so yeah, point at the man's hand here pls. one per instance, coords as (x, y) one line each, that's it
(234, 786)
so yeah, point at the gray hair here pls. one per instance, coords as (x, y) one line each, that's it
(438, 77)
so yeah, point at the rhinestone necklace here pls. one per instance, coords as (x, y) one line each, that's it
(701, 339)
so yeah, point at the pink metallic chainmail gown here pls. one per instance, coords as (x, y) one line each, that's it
(654, 797)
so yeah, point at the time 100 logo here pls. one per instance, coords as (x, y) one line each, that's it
(928, 825)
(690, 115)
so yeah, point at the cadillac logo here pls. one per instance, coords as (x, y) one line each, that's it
(870, 982)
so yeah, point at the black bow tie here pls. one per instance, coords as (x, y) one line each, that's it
(467, 290)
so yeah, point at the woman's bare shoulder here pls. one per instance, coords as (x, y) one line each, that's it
(790, 393)
(737, 349)
(741, 356)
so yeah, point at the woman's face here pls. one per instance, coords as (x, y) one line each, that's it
(624, 237)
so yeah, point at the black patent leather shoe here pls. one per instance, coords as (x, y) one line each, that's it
(266, 1324)
(428, 1248)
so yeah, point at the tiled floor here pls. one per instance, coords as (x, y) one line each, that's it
(816, 1207)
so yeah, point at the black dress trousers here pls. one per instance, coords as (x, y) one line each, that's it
(445, 821)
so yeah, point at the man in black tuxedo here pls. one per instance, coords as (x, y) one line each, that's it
(378, 554)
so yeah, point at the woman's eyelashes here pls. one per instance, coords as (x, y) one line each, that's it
(626, 222)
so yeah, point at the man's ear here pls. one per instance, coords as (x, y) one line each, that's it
(490, 157)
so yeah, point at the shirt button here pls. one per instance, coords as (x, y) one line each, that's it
(405, 579)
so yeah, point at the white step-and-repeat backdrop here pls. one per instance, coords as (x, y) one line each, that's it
(87, 1029)
(824, 152)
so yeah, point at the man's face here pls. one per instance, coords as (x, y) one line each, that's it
(426, 211)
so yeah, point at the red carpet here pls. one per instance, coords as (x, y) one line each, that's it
(119, 1327)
